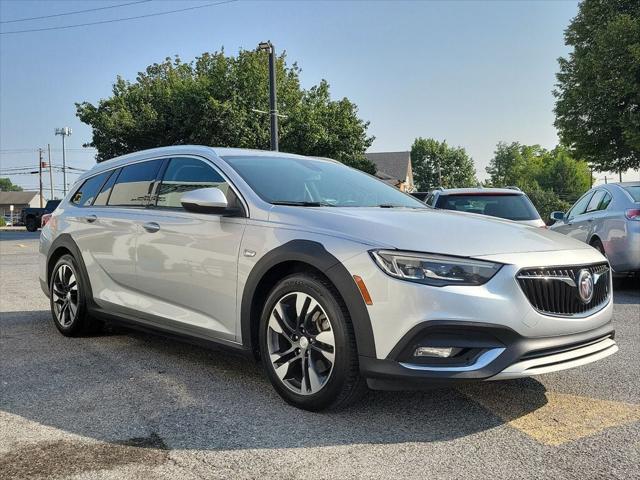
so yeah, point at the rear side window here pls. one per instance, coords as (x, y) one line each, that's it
(85, 195)
(186, 174)
(103, 196)
(595, 201)
(134, 184)
(507, 206)
(604, 203)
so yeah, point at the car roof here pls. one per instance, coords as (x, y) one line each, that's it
(479, 191)
(187, 150)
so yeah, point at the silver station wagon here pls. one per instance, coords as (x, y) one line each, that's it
(333, 279)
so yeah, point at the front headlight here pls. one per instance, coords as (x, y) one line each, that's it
(435, 270)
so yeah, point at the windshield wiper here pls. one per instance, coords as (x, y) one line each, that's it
(301, 204)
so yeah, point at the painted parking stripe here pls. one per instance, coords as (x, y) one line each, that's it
(548, 417)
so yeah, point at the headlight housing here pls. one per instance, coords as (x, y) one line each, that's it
(434, 270)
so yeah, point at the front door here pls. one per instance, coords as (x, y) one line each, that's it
(187, 263)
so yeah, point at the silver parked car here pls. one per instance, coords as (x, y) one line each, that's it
(607, 217)
(508, 203)
(334, 279)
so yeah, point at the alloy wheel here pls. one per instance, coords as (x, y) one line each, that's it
(65, 295)
(301, 343)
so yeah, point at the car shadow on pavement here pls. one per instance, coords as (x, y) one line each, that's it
(132, 385)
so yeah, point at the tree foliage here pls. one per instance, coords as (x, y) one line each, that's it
(551, 178)
(212, 101)
(7, 186)
(531, 167)
(436, 164)
(598, 90)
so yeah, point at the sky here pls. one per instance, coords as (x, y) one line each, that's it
(472, 73)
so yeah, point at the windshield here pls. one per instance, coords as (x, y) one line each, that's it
(510, 207)
(634, 191)
(316, 183)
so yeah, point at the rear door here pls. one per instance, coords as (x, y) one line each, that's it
(109, 243)
(187, 263)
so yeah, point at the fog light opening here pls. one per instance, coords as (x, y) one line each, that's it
(437, 352)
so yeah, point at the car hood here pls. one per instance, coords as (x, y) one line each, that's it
(424, 230)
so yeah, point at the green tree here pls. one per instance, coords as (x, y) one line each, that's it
(515, 165)
(598, 90)
(567, 177)
(546, 202)
(213, 101)
(7, 186)
(435, 164)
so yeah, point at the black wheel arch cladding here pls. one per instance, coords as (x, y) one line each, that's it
(313, 254)
(65, 244)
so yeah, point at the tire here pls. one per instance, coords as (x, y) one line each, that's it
(302, 365)
(31, 224)
(68, 301)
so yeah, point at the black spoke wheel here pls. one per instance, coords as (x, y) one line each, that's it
(67, 298)
(307, 344)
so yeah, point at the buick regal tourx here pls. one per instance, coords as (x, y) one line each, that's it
(333, 278)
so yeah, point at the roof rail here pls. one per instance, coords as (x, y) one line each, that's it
(513, 187)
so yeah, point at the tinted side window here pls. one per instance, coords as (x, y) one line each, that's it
(595, 201)
(103, 196)
(604, 203)
(186, 174)
(133, 186)
(429, 200)
(580, 206)
(85, 195)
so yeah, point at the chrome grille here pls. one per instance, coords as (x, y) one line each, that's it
(554, 290)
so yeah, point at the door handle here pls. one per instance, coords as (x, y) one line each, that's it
(151, 227)
(91, 218)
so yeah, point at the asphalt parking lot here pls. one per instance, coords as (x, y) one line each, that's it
(133, 405)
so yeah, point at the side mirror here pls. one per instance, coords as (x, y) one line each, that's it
(206, 200)
(557, 216)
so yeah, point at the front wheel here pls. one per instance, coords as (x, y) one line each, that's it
(307, 344)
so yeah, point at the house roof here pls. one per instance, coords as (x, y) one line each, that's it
(393, 164)
(16, 198)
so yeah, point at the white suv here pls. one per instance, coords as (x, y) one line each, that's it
(333, 278)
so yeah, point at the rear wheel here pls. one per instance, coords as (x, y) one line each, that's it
(308, 346)
(68, 300)
(31, 224)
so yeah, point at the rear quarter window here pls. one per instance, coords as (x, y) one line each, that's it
(87, 192)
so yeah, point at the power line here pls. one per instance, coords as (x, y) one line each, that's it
(213, 4)
(75, 12)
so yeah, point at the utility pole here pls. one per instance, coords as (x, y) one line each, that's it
(50, 172)
(273, 102)
(40, 174)
(64, 132)
(620, 173)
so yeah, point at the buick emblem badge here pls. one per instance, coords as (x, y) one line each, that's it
(585, 286)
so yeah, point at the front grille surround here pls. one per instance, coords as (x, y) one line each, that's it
(554, 291)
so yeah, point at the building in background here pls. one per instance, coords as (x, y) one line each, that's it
(394, 168)
(19, 200)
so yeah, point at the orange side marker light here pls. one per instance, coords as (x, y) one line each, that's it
(363, 290)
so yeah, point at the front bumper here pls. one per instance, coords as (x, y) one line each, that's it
(500, 353)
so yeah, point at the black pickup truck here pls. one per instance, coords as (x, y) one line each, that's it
(31, 217)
